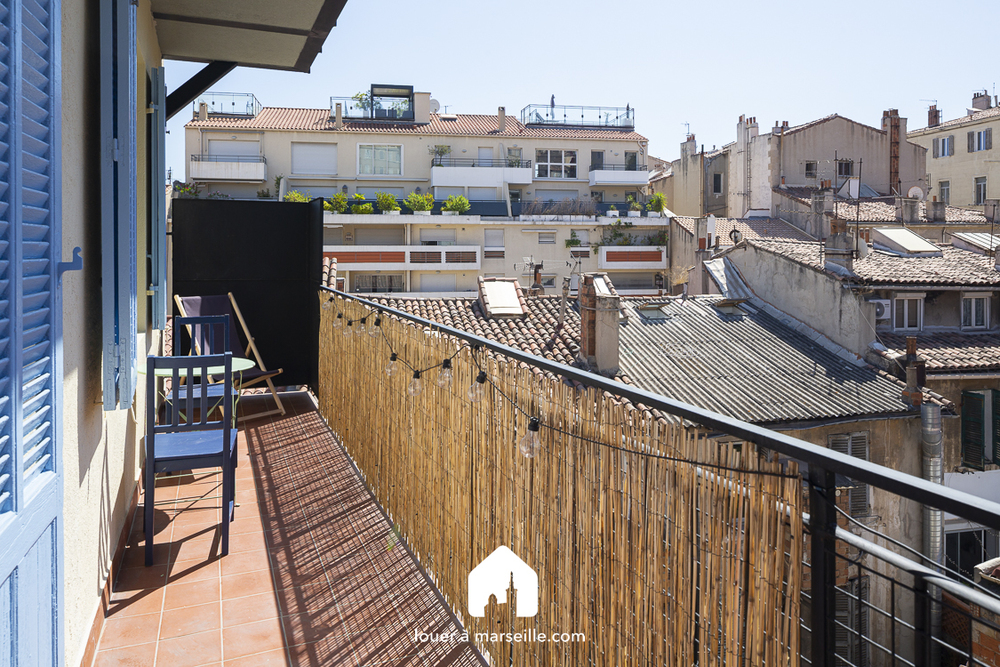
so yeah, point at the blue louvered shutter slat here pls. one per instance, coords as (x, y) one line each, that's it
(128, 197)
(37, 266)
(158, 279)
(7, 454)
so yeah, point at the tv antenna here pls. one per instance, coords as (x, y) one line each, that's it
(687, 128)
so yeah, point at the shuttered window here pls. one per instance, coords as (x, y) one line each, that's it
(314, 158)
(118, 201)
(852, 629)
(158, 198)
(856, 445)
(974, 453)
(981, 140)
(944, 146)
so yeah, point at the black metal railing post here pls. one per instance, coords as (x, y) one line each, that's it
(921, 622)
(822, 564)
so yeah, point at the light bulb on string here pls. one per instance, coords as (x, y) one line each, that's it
(347, 329)
(478, 388)
(445, 376)
(530, 442)
(416, 385)
(328, 304)
(392, 368)
(338, 321)
(373, 330)
(361, 326)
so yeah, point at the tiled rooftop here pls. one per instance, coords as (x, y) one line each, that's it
(314, 576)
(474, 125)
(985, 114)
(880, 209)
(950, 351)
(955, 267)
(751, 228)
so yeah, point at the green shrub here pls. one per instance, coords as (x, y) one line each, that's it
(456, 203)
(386, 202)
(337, 203)
(187, 191)
(296, 196)
(633, 205)
(360, 207)
(416, 202)
(657, 202)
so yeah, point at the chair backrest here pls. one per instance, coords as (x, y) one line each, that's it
(198, 306)
(209, 334)
(189, 371)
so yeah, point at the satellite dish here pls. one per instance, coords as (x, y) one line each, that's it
(915, 193)
(736, 235)
(435, 105)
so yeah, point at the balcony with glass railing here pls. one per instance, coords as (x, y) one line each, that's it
(578, 116)
(228, 104)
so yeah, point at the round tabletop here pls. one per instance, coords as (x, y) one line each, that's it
(240, 364)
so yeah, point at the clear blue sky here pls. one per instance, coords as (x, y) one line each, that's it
(696, 62)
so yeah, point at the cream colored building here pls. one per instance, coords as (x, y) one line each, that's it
(548, 155)
(961, 166)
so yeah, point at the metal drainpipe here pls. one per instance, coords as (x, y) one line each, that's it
(930, 419)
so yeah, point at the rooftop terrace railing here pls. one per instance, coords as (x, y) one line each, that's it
(511, 162)
(559, 114)
(353, 108)
(616, 445)
(229, 104)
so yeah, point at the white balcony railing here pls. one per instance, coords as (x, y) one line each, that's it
(618, 175)
(405, 257)
(632, 257)
(228, 168)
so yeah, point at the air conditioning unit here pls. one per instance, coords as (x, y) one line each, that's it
(882, 309)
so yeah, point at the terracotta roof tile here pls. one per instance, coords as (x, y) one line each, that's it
(280, 118)
(985, 114)
(947, 351)
(877, 209)
(751, 228)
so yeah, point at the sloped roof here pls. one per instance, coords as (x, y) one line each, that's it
(955, 267)
(950, 351)
(751, 228)
(985, 114)
(877, 209)
(477, 125)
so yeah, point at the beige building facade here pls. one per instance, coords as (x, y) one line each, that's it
(962, 166)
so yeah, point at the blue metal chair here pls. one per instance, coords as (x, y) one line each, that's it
(188, 439)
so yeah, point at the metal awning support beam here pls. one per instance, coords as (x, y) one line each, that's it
(189, 91)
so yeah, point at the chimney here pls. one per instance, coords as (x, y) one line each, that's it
(202, 111)
(754, 130)
(536, 288)
(936, 211)
(562, 302)
(701, 231)
(689, 147)
(421, 107)
(981, 101)
(916, 374)
(599, 326)
(822, 203)
(933, 116)
(338, 117)
(502, 119)
(893, 127)
(907, 210)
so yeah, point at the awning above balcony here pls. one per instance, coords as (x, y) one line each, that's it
(283, 35)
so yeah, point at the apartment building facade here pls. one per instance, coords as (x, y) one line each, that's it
(541, 186)
(960, 158)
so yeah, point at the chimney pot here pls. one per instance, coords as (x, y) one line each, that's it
(599, 327)
(933, 116)
(202, 111)
(502, 119)
(338, 118)
(981, 101)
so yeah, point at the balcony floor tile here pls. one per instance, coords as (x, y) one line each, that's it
(313, 576)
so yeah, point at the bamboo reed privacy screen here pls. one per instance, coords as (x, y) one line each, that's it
(655, 560)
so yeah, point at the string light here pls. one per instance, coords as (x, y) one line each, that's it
(328, 304)
(338, 321)
(361, 326)
(444, 377)
(347, 329)
(416, 385)
(478, 388)
(373, 330)
(530, 443)
(392, 368)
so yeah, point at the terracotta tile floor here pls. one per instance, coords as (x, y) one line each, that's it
(309, 579)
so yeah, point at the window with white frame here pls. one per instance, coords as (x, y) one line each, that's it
(979, 189)
(550, 163)
(547, 237)
(380, 159)
(944, 146)
(944, 191)
(811, 169)
(548, 280)
(845, 168)
(493, 245)
(908, 312)
(981, 140)
(975, 311)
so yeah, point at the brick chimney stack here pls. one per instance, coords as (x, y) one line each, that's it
(502, 120)
(599, 327)
(933, 116)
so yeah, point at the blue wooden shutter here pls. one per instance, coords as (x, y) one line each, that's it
(8, 196)
(118, 201)
(158, 178)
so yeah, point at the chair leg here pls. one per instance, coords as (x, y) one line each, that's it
(274, 392)
(228, 497)
(147, 510)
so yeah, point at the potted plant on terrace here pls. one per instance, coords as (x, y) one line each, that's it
(336, 204)
(387, 203)
(296, 196)
(455, 205)
(657, 203)
(360, 207)
(573, 241)
(634, 208)
(419, 204)
(438, 152)
(612, 211)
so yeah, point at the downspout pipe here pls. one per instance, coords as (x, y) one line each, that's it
(933, 459)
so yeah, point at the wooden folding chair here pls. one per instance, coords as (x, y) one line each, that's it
(195, 306)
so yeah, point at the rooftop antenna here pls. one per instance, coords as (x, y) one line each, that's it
(687, 128)
(934, 102)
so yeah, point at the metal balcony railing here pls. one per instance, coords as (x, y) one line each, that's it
(355, 109)
(557, 114)
(618, 167)
(228, 158)
(513, 163)
(842, 621)
(229, 104)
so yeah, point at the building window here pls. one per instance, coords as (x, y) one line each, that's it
(597, 196)
(944, 191)
(378, 282)
(380, 159)
(555, 164)
(845, 168)
(514, 158)
(944, 146)
(909, 313)
(980, 190)
(548, 280)
(515, 196)
(631, 161)
(980, 424)
(975, 311)
(716, 184)
(547, 237)
(981, 140)
(493, 246)
(966, 549)
(852, 632)
(856, 445)
(810, 170)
